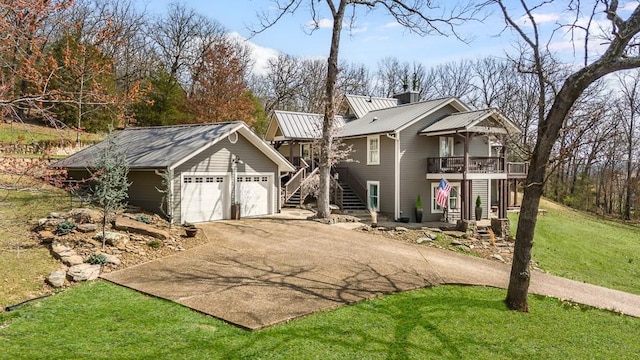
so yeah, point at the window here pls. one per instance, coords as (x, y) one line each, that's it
(454, 197)
(305, 151)
(446, 146)
(373, 150)
(199, 179)
(188, 179)
(373, 195)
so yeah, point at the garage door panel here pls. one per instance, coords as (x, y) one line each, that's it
(204, 198)
(254, 194)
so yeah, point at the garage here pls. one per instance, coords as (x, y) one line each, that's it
(252, 191)
(205, 197)
(193, 173)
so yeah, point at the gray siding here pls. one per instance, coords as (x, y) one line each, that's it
(384, 172)
(142, 189)
(481, 188)
(414, 150)
(479, 146)
(217, 159)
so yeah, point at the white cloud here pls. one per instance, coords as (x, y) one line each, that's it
(323, 23)
(392, 24)
(540, 18)
(630, 6)
(259, 54)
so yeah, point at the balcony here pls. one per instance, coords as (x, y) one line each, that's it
(477, 165)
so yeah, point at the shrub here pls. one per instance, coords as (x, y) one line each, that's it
(65, 227)
(155, 244)
(144, 219)
(97, 259)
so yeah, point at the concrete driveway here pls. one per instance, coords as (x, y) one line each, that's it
(259, 272)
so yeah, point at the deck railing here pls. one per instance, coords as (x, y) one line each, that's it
(477, 165)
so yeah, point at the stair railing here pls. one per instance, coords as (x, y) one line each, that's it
(338, 192)
(291, 186)
(351, 179)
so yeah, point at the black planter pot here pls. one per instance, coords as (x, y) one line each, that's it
(235, 212)
(190, 231)
(419, 215)
(478, 213)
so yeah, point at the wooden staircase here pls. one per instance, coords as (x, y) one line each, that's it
(350, 200)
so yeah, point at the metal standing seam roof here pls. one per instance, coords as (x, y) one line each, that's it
(361, 105)
(302, 126)
(464, 121)
(162, 146)
(390, 119)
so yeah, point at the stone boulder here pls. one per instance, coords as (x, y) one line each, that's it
(57, 278)
(112, 259)
(46, 236)
(112, 238)
(49, 224)
(66, 254)
(84, 272)
(86, 228)
(84, 216)
(133, 226)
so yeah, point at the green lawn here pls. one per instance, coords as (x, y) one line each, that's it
(17, 132)
(103, 321)
(587, 248)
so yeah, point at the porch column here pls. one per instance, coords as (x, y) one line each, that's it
(515, 192)
(504, 194)
(291, 143)
(466, 197)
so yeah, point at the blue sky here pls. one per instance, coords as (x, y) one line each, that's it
(375, 35)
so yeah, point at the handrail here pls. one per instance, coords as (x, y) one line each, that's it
(353, 181)
(304, 194)
(338, 192)
(291, 186)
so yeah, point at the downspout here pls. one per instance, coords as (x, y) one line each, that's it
(396, 205)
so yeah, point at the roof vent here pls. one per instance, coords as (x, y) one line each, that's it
(374, 119)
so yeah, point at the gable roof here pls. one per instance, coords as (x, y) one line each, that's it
(170, 146)
(361, 105)
(472, 121)
(396, 118)
(298, 125)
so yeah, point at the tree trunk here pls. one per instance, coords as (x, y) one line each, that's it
(329, 114)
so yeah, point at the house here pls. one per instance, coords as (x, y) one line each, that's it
(209, 168)
(402, 147)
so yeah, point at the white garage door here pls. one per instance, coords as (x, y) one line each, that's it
(204, 197)
(253, 193)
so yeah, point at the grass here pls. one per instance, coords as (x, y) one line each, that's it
(17, 132)
(103, 321)
(587, 248)
(24, 262)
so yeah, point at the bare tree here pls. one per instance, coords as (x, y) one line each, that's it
(411, 14)
(628, 111)
(618, 55)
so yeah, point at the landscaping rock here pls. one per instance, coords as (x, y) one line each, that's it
(113, 238)
(86, 228)
(423, 240)
(84, 272)
(47, 224)
(430, 235)
(401, 228)
(126, 224)
(72, 260)
(57, 278)
(46, 236)
(498, 257)
(54, 215)
(83, 216)
(66, 254)
(456, 242)
(112, 259)
(456, 234)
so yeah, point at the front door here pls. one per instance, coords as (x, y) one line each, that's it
(373, 195)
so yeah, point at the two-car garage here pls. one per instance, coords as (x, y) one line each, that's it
(208, 197)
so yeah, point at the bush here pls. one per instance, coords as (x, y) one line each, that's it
(97, 259)
(144, 219)
(155, 244)
(65, 227)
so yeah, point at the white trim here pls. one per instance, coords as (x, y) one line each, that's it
(470, 176)
(233, 137)
(369, 161)
(434, 187)
(396, 210)
(377, 184)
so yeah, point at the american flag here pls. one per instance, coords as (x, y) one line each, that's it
(442, 193)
